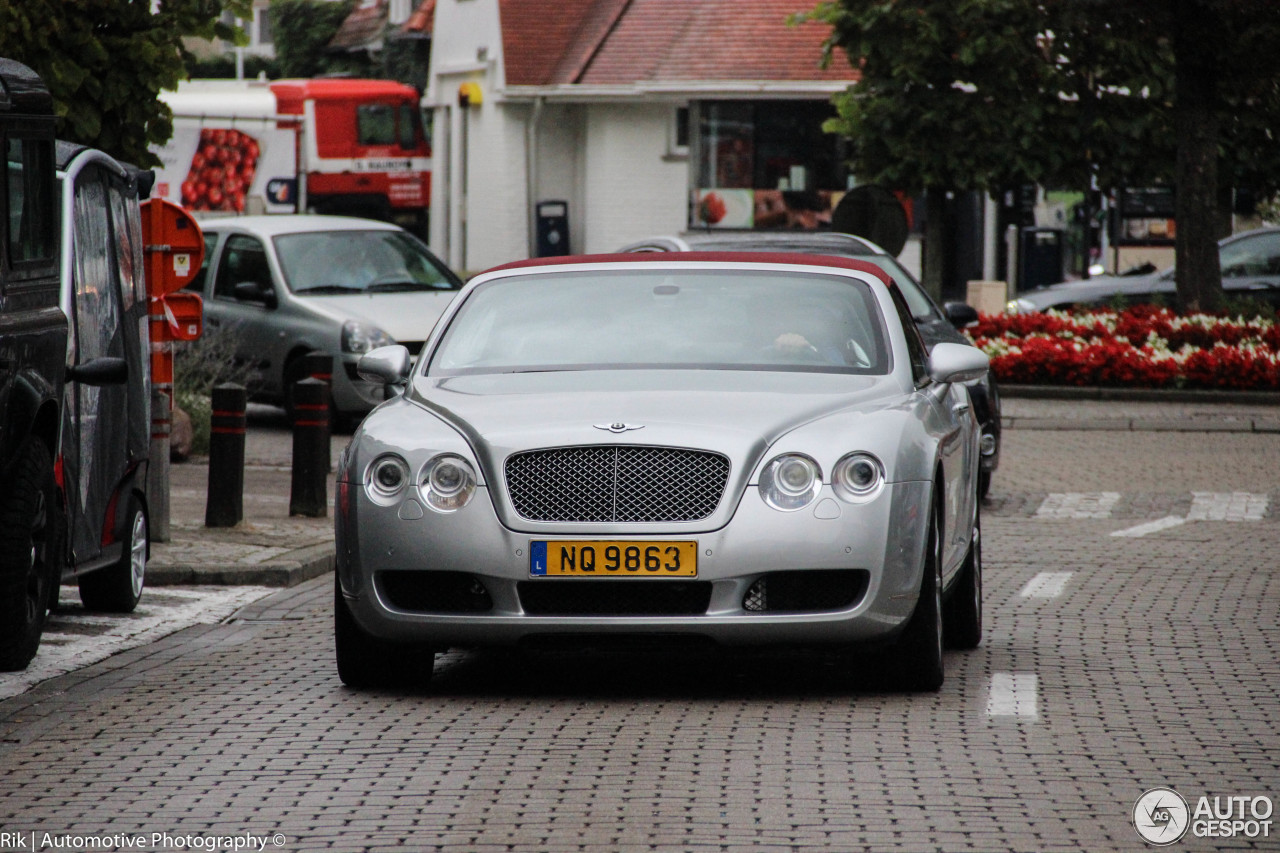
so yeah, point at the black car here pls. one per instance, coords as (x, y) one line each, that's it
(33, 352)
(936, 324)
(1250, 268)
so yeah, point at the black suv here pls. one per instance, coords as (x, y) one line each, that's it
(33, 353)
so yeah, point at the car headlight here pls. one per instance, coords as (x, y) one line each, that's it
(790, 482)
(386, 479)
(857, 477)
(447, 482)
(361, 337)
(1020, 306)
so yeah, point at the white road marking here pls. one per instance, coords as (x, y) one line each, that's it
(1150, 527)
(63, 651)
(1227, 506)
(1078, 505)
(1046, 585)
(1012, 694)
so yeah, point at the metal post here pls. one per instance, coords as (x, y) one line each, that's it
(158, 466)
(309, 494)
(225, 506)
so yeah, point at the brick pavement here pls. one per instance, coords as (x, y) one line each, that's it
(1157, 663)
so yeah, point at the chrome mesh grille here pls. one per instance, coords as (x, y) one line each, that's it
(616, 483)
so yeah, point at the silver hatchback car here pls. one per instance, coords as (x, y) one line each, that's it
(285, 286)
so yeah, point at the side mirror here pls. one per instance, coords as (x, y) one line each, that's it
(960, 314)
(957, 363)
(388, 365)
(252, 291)
(103, 370)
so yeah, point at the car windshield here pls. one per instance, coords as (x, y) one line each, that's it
(334, 262)
(922, 307)
(663, 318)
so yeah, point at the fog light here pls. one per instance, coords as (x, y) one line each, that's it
(987, 444)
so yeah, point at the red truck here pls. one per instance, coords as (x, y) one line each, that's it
(327, 145)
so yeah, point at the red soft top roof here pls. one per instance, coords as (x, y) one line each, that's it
(793, 258)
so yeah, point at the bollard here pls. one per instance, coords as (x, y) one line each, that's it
(225, 506)
(318, 365)
(309, 495)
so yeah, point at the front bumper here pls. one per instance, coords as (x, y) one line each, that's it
(882, 542)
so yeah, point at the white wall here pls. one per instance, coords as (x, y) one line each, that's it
(630, 191)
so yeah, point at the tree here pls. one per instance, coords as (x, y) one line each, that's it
(105, 62)
(978, 94)
(975, 95)
(303, 29)
(1226, 79)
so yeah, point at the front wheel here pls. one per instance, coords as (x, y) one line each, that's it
(365, 661)
(118, 588)
(963, 610)
(920, 645)
(29, 562)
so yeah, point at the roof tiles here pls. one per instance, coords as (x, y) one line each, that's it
(627, 42)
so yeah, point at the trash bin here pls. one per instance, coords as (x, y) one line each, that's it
(1041, 258)
(552, 228)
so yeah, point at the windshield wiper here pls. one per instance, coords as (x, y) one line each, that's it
(331, 288)
(396, 286)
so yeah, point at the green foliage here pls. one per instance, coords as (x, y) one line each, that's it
(223, 67)
(198, 366)
(302, 31)
(105, 61)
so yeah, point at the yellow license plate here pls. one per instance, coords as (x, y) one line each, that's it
(613, 559)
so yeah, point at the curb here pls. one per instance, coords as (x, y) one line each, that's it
(1152, 395)
(287, 570)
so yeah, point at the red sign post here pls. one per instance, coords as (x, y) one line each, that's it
(174, 254)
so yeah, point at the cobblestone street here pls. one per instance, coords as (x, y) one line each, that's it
(1112, 664)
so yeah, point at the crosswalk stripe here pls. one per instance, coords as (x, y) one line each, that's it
(1227, 506)
(1078, 505)
(1046, 585)
(1012, 694)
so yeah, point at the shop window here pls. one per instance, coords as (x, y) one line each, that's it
(678, 133)
(766, 164)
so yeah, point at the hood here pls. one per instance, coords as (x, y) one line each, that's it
(405, 316)
(738, 413)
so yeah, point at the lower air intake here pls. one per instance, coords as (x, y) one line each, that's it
(806, 591)
(614, 598)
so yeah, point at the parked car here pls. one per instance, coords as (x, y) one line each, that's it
(1250, 267)
(717, 445)
(33, 347)
(288, 285)
(106, 424)
(936, 324)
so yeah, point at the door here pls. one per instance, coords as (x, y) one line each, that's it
(106, 427)
(243, 307)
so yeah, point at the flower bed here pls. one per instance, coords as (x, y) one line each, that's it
(1141, 347)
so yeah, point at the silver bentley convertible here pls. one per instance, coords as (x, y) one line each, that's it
(752, 449)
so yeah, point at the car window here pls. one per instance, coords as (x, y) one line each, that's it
(244, 259)
(32, 232)
(327, 262)
(915, 345)
(1258, 255)
(196, 285)
(704, 319)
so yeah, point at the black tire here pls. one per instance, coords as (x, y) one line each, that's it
(962, 614)
(984, 484)
(29, 561)
(364, 661)
(117, 588)
(920, 644)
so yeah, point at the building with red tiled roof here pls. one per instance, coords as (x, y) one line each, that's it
(628, 115)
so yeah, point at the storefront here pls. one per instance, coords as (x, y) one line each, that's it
(764, 164)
